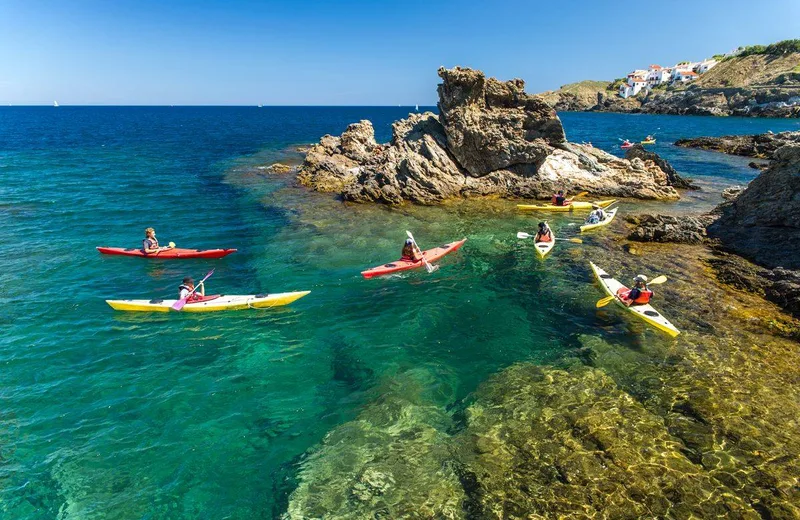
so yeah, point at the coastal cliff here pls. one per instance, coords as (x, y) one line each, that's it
(765, 84)
(491, 138)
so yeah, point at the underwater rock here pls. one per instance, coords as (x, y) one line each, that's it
(547, 443)
(675, 179)
(279, 168)
(665, 228)
(490, 139)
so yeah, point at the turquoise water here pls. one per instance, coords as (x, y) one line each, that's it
(110, 415)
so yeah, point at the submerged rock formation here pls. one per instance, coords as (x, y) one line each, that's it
(675, 179)
(760, 146)
(490, 139)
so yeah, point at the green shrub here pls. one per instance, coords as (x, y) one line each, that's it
(773, 49)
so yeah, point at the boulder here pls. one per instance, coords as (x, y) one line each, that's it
(639, 151)
(760, 146)
(665, 228)
(763, 223)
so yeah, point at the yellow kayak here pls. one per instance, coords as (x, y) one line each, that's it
(653, 141)
(645, 312)
(610, 214)
(211, 303)
(573, 206)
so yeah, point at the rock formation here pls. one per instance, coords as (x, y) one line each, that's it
(763, 222)
(760, 146)
(639, 151)
(665, 228)
(490, 139)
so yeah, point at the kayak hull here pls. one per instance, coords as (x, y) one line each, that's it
(646, 312)
(542, 248)
(431, 255)
(575, 205)
(170, 254)
(610, 214)
(211, 304)
(649, 142)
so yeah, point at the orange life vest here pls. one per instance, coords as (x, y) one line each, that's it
(644, 295)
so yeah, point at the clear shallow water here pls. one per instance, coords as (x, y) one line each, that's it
(108, 415)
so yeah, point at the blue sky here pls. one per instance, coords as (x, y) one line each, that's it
(349, 52)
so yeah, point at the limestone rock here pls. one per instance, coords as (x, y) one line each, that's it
(760, 146)
(675, 179)
(665, 228)
(763, 223)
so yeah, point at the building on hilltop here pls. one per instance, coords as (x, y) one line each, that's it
(684, 76)
(705, 65)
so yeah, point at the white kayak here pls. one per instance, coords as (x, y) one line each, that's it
(545, 247)
(610, 214)
(211, 303)
(646, 312)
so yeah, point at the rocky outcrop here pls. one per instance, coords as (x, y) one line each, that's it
(490, 139)
(763, 222)
(760, 146)
(664, 228)
(639, 151)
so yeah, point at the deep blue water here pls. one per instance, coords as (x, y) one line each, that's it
(107, 415)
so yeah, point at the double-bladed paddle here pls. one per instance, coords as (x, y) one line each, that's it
(608, 299)
(428, 267)
(178, 305)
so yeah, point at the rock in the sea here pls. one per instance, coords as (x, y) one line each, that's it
(675, 179)
(491, 139)
(665, 228)
(279, 168)
(760, 146)
(731, 193)
(763, 223)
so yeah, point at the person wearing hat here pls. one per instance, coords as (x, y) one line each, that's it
(596, 216)
(187, 287)
(411, 252)
(639, 295)
(544, 234)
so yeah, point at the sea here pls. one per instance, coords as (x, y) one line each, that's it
(106, 414)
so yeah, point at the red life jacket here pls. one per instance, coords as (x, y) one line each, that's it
(644, 295)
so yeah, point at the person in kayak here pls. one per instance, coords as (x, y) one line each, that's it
(544, 234)
(187, 287)
(649, 138)
(596, 216)
(559, 199)
(150, 242)
(411, 252)
(639, 295)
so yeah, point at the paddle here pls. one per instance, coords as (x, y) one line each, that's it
(522, 234)
(170, 245)
(608, 299)
(178, 305)
(581, 194)
(428, 267)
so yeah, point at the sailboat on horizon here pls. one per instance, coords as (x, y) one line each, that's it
(416, 107)
(55, 104)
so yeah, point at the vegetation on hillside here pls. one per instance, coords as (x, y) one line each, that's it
(773, 49)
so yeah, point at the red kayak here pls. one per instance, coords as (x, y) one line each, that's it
(169, 253)
(431, 255)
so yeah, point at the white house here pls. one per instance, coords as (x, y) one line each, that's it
(705, 65)
(684, 76)
(658, 75)
(637, 80)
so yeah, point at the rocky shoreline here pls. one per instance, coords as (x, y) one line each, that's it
(490, 139)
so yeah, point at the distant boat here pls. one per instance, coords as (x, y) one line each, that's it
(55, 104)
(416, 107)
(260, 105)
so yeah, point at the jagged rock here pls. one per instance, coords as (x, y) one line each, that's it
(731, 193)
(492, 125)
(760, 146)
(497, 140)
(279, 168)
(664, 228)
(763, 223)
(639, 151)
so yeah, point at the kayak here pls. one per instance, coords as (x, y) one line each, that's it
(211, 303)
(610, 214)
(579, 204)
(625, 146)
(646, 312)
(649, 142)
(175, 252)
(431, 255)
(545, 247)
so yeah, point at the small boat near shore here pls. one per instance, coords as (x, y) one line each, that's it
(211, 303)
(167, 254)
(612, 287)
(431, 255)
(570, 207)
(610, 214)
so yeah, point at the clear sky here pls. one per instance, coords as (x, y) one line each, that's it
(350, 52)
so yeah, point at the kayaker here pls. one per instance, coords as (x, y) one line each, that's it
(559, 199)
(188, 286)
(639, 295)
(411, 252)
(596, 216)
(649, 138)
(150, 242)
(544, 234)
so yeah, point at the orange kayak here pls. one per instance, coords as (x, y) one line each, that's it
(431, 255)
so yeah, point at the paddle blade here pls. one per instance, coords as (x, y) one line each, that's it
(657, 280)
(178, 305)
(171, 244)
(581, 194)
(522, 234)
(605, 301)
(410, 235)
(576, 240)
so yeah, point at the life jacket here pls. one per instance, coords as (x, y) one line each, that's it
(644, 295)
(544, 236)
(194, 296)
